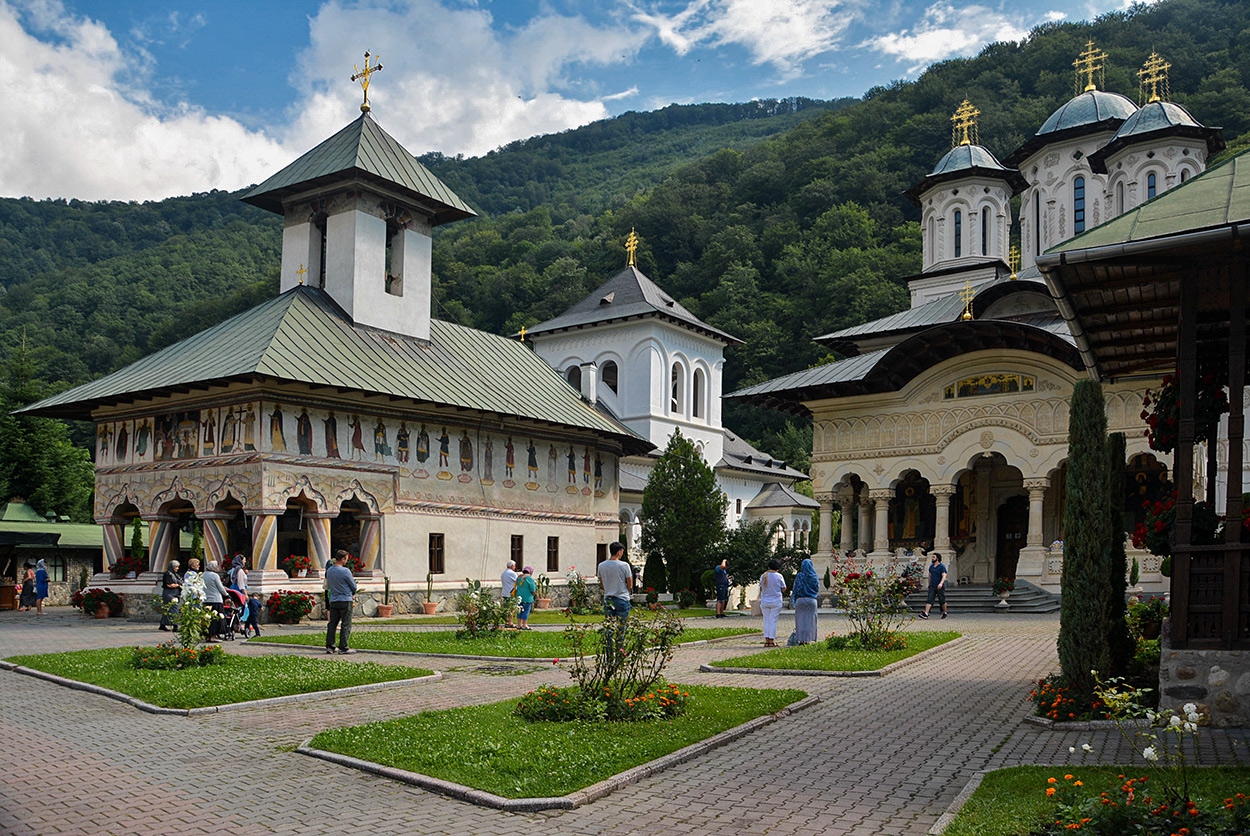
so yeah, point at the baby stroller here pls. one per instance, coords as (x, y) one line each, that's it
(234, 614)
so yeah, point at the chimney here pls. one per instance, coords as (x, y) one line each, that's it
(590, 382)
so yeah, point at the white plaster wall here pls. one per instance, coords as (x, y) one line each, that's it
(972, 196)
(1050, 173)
(1130, 166)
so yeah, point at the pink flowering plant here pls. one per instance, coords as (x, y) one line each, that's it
(874, 601)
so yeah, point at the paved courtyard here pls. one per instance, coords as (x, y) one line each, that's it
(883, 755)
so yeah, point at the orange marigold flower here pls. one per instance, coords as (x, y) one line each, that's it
(1051, 781)
(1068, 777)
(1050, 791)
(1078, 783)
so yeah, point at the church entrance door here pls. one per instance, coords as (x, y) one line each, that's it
(1013, 528)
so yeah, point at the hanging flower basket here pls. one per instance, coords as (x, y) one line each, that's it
(1156, 533)
(1161, 411)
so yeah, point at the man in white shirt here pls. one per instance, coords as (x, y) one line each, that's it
(507, 589)
(617, 578)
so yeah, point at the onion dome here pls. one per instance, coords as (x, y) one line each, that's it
(1090, 112)
(1153, 122)
(966, 161)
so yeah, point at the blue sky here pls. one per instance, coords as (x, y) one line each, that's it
(113, 99)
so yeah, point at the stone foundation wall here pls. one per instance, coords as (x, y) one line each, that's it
(1217, 680)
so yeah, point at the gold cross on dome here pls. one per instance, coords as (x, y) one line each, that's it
(523, 332)
(964, 125)
(631, 247)
(1013, 259)
(966, 294)
(1090, 62)
(301, 272)
(1154, 76)
(363, 77)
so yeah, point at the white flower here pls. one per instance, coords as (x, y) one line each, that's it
(1190, 708)
(1151, 716)
(1086, 747)
(1190, 727)
(1150, 754)
(1193, 717)
(1175, 721)
(1071, 750)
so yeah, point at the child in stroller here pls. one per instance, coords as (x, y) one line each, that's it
(234, 614)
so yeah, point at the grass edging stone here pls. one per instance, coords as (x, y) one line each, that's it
(890, 668)
(1082, 725)
(944, 820)
(564, 802)
(315, 650)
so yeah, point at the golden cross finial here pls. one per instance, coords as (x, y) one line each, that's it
(363, 77)
(966, 294)
(964, 125)
(1154, 75)
(1013, 259)
(523, 332)
(301, 272)
(1090, 62)
(631, 247)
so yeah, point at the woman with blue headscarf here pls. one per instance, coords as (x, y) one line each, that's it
(41, 584)
(803, 599)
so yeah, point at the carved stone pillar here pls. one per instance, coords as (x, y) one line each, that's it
(846, 501)
(215, 539)
(1033, 556)
(163, 542)
(881, 526)
(318, 540)
(824, 546)
(942, 528)
(113, 533)
(264, 541)
(371, 542)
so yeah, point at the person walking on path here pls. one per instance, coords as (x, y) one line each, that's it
(937, 585)
(238, 575)
(525, 591)
(617, 579)
(214, 595)
(803, 598)
(721, 576)
(27, 598)
(171, 591)
(342, 586)
(772, 585)
(507, 590)
(41, 584)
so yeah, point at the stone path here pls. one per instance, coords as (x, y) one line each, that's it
(883, 755)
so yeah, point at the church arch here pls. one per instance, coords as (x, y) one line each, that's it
(610, 376)
(677, 388)
(573, 374)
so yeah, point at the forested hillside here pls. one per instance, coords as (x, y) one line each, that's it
(774, 240)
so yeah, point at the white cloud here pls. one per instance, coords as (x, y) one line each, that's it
(944, 32)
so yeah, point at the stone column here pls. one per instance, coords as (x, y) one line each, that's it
(371, 542)
(982, 568)
(846, 501)
(215, 539)
(318, 540)
(264, 541)
(1033, 556)
(942, 528)
(824, 544)
(881, 527)
(163, 542)
(863, 541)
(113, 533)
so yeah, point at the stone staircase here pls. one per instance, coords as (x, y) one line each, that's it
(1026, 598)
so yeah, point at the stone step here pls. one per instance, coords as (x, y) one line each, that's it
(1026, 598)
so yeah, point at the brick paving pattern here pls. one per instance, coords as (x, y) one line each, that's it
(884, 755)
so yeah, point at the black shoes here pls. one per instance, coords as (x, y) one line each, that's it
(330, 650)
(943, 615)
(925, 616)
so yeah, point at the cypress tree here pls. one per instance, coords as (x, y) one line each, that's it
(1120, 640)
(1084, 644)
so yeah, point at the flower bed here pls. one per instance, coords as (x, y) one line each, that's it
(819, 657)
(89, 600)
(288, 607)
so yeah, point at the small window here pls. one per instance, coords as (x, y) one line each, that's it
(696, 396)
(985, 231)
(959, 233)
(609, 374)
(1152, 186)
(1119, 198)
(738, 507)
(438, 564)
(553, 554)
(319, 230)
(677, 384)
(518, 549)
(56, 568)
(394, 282)
(1184, 175)
(1078, 205)
(574, 377)
(1037, 223)
(601, 553)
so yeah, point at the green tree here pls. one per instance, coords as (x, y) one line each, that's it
(748, 548)
(653, 576)
(1084, 642)
(683, 512)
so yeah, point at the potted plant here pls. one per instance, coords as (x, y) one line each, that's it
(287, 606)
(97, 603)
(1003, 588)
(386, 607)
(1145, 618)
(430, 606)
(297, 565)
(542, 594)
(355, 564)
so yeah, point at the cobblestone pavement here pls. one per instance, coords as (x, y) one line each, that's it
(884, 755)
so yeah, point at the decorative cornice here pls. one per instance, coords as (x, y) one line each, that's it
(447, 509)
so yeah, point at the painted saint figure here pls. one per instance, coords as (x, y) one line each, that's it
(332, 436)
(120, 449)
(401, 442)
(380, 448)
(249, 429)
(532, 453)
(586, 467)
(228, 427)
(144, 434)
(488, 465)
(423, 445)
(466, 452)
(303, 433)
(553, 458)
(103, 435)
(358, 437)
(572, 457)
(444, 449)
(509, 461)
(598, 472)
(277, 435)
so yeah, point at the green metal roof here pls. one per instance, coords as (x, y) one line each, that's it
(362, 149)
(21, 525)
(303, 336)
(1218, 196)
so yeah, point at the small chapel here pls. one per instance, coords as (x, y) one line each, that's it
(341, 415)
(944, 427)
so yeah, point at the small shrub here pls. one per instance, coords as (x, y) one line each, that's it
(875, 602)
(480, 611)
(549, 704)
(89, 600)
(127, 564)
(1145, 618)
(296, 563)
(653, 597)
(686, 599)
(169, 657)
(354, 563)
(1002, 585)
(581, 600)
(288, 607)
(886, 641)
(1054, 699)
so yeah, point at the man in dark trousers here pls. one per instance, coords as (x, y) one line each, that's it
(171, 590)
(342, 588)
(937, 585)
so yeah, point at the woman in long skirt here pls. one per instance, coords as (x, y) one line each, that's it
(803, 598)
(27, 598)
(772, 585)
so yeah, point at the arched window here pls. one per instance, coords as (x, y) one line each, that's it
(1119, 198)
(609, 375)
(1078, 205)
(985, 231)
(696, 396)
(1184, 174)
(574, 376)
(738, 506)
(1152, 186)
(959, 233)
(677, 383)
(1037, 223)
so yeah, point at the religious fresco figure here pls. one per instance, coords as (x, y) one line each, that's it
(466, 452)
(552, 458)
(532, 462)
(423, 445)
(488, 465)
(143, 435)
(332, 436)
(380, 448)
(277, 434)
(586, 467)
(249, 429)
(229, 428)
(401, 442)
(444, 449)
(358, 437)
(572, 457)
(304, 432)
(102, 435)
(120, 449)
(162, 443)
(188, 434)
(598, 472)
(509, 461)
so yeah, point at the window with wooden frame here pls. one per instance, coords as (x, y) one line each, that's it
(553, 554)
(518, 549)
(438, 562)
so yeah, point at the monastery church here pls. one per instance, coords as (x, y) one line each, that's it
(946, 425)
(341, 415)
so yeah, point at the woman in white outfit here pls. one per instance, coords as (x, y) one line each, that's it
(772, 585)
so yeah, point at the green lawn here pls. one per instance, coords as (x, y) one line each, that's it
(536, 644)
(1011, 802)
(236, 679)
(488, 748)
(814, 657)
(548, 617)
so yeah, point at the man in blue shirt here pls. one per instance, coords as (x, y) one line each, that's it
(617, 578)
(937, 585)
(342, 587)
